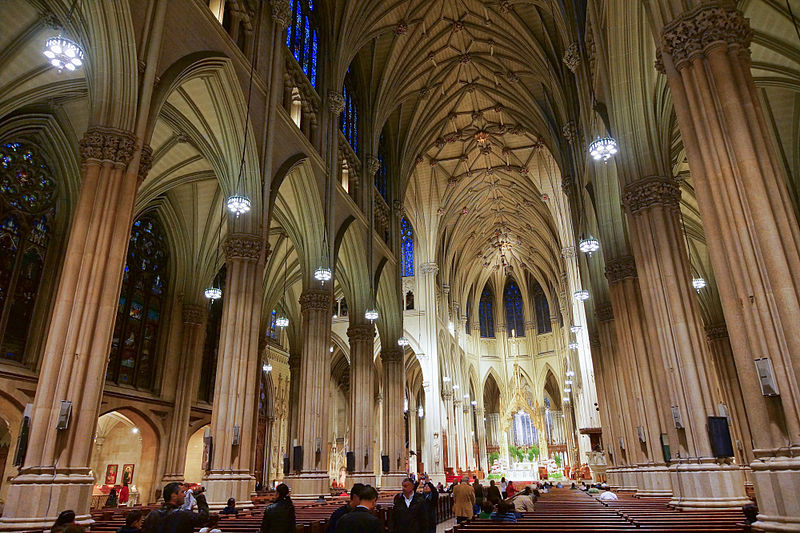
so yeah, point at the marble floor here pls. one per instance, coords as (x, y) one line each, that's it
(444, 526)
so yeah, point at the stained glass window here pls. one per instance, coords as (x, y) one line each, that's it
(348, 121)
(407, 246)
(27, 204)
(542, 309)
(272, 331)
(302, 38)
(486, 312)
(211, 343)
(133, 347)
(467, 326)
(515, 318)
(381, 176)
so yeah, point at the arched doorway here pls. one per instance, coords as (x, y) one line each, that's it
(193, 467)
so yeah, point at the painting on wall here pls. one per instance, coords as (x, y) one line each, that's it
(111, 474)
(127, 474)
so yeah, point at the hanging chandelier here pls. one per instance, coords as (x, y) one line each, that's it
(567, 390)
(603, 148)
(63, 53)
(281, 321)
(570, 373)
(267, 368)
(420, 412)
(371, 315)
(213, 293)
(699, 284)
(573, 346)
(581, 295)
(574, 329)
(238, 204)
(322, 274)
(403, 341)
(589, 245)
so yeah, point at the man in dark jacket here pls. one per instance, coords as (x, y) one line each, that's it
(361, 519)
(408, 512)
(493, 493)
(355, 500)
(279, 517)
(170, 518)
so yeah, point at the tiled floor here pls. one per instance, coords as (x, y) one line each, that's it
(444, 526)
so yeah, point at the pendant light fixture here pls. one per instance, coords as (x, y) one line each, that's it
(589, 245)
(371, 314)
(581, 295)
(282, 320)
(64, 53)
(403, 341)
(698, 282)
(213, 292)
(239, 203)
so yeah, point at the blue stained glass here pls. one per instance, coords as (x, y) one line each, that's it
(348, 121)
(407, 246)
(301, 38)
(542, 309)
(515, 318)
(486, 313)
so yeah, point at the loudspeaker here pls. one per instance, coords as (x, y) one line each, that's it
(286, 467)
(351, 462)
(385, 464)
(720, 436)
(298, 458)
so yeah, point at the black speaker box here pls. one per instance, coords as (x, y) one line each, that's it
(286, 467)
(351, 461)
(385, 464)
(720, 436)
(298, 458)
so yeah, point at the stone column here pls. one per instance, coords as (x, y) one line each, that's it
(675, 329)
(362, 337)
(647, 392)
(56, 467)
(480, 430)
(447, 396)
(233, 418)
(753, 235)
(294, 402)
(393, 424)
(194, 335)
(458, 422)
(313, 380)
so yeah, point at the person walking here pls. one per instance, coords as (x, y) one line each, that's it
(171, 517)
(361, 519)
(408, 511)
(463, 500)
(279, 517)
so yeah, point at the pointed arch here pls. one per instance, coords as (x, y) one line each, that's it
(512, 302)
(486, 311)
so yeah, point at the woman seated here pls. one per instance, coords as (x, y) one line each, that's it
(230, 508)
(486, 509)
(505, 513)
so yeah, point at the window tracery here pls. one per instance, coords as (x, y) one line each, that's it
(302, 38)
(542, 309)
(515, 317)
(485, 310)
(407, 247)
(348, 120)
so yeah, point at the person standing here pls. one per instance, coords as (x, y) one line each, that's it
(408, 511)
(463, 500)
(479, 496)
(431, 496)
(493, 493)
(124, 495)
(111, 501)
(510, 490)
(172, 517)
(361, 519)
(355, 501)
(279, 517)
(503, 487)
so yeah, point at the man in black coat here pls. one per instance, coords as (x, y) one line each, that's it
(408, 512)
(279, 517)
(361, 519)
(493, 493)
(170, 518)
(355, 500)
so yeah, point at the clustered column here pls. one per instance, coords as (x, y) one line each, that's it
(362, 346)
(233, 418)
(393, 428)
(753, 234)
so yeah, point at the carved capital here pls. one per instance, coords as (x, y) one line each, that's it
(392, 354)
(145, 162)
(243, 246)
(361, 333)
(716, 332)
(652, 191)
(315, 300)
(373, 165)
(594, 342)
(604, 312)
(429, 268)
(194, 315)
(572, 57)
(568, 252)
(570, 131)
(620, 269)
(447, 395)
(107, 145)
(445, 288)
(567, 185)
(695, 32)
(335, 102)
(281, 13)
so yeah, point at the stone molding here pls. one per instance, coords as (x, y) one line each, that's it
(373, 165)
(361, 333)
(621, 268)
(604, 312)
(697, 31)
(567, 185)
(716, 332)
(145, 162)
(594, 342)
(107, 145)
(570, 131)
(194, 314)
(447, 395)
(568, 252)
(392, 354)
(315, 300)
(243, 246)
(429, 268)
(572, 57)
(652, 191)
(335, 102)
(281, 12)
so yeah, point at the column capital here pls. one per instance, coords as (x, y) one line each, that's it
(604, 312)
(620, 268)
(281, 12)
(568, 252)
(335, 102)
(392, 354)
(315, 299)
(698, 30)
(447, 395)
(594, 342)
(145, 162)
(194, 314)
(429, 268)
(570, 131)
(456, 401)
(373, 165)
(716, 332)
(651, 191)
(107, 145)
(479, 411)
(572, 56)
(361, 333)
(243, 246)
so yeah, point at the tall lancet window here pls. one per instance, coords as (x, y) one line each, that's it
(211, 344)
(302, 38)
(348, 121)
(27, 205)
(133, 346)
(515, 318)
(486, 312)
(407, 246)
(542, 309)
